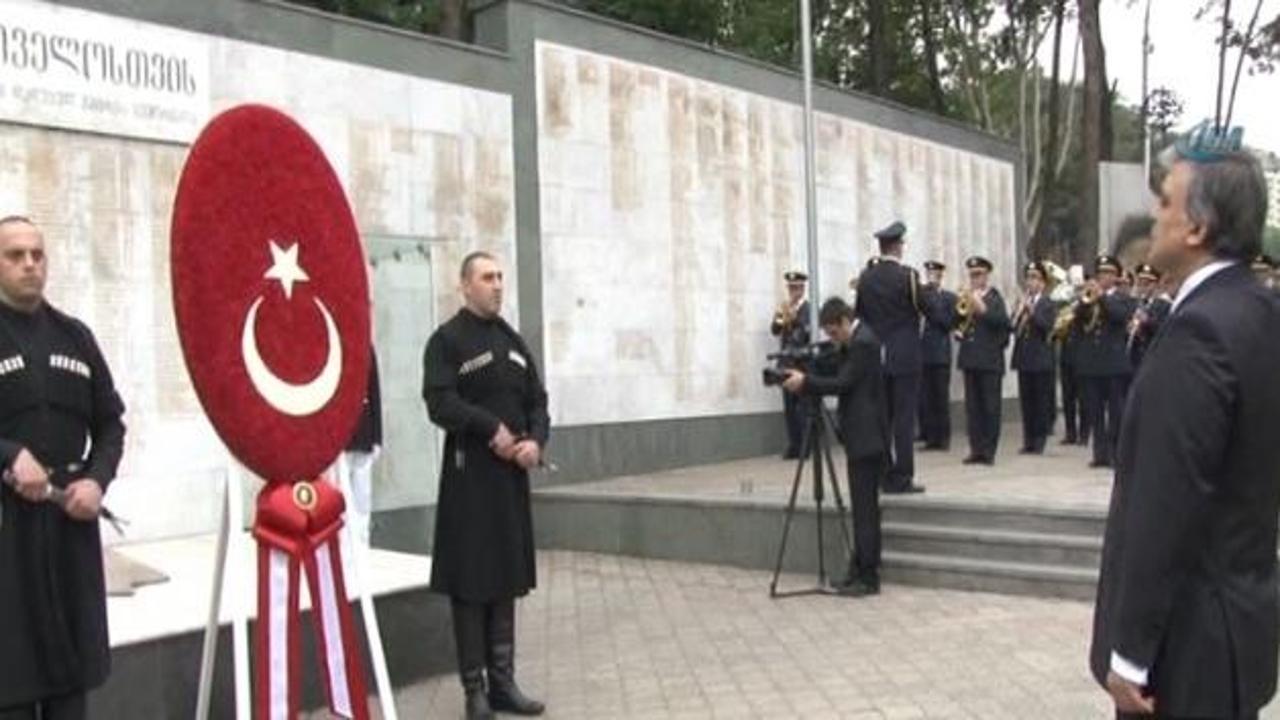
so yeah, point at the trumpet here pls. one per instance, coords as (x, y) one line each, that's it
(1022, 318)
(785, 314)
(965, 311)
(1091, 295)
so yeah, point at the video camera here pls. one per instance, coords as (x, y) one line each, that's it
(804, 358)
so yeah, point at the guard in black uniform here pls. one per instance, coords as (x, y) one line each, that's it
(791, 326)
(889, 301)
(482, 388)
(983, 334)
(1033, 358)
(1104, 365)
(60, 427)
(1153, 308)
(935, 349)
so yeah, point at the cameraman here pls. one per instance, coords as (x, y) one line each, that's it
(864, 418)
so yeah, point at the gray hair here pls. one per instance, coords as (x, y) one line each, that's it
(1228, 198)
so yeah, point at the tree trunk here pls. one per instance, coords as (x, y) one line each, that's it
(1055, 108)
(1095, 91)
(1222, 61)
(876, 49)
(452, 19)
(936, 94)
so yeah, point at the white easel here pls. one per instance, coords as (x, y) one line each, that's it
(231, 543)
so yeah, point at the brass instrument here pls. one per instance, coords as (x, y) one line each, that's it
(1022, 318)
(1062, 323)
(785, 315)
(965, 311)
(1090, 299)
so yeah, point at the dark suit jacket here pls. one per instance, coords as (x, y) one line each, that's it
(1188, 585)
(1032, 350)
(939, 321)
(1157, 310)
(889, 301)
(1103, 351)
(982, 349)
(864, 414)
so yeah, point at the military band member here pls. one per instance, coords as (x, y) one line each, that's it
(889, 301)
(481, 386)
(1033, 358)
(1104, 364)
(935, 346)
(1069, 333)
(983, 333)
(1153, 308)
(60, 427)
(791, 326)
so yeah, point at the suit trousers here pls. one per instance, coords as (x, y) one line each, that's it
(982, 411)
(65, 707)
(865, 476)
(935, 403)
(1104, 403)
(795, 421)
(901, 391)
(1035, 397)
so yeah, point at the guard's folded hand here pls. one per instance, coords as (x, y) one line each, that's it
(30, 478)
(84, 499)
(527, 454)
(503, 443)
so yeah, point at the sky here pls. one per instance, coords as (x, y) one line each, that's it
(1185, 59)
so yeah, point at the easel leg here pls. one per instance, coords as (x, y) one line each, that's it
(209, 654)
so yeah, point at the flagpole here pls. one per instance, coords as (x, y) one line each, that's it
(810, 184)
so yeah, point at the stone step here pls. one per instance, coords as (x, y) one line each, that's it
(1012, 578)
(948, 512)
(1031, 548)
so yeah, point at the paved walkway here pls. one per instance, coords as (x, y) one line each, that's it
(1060, 478)
(612, 637)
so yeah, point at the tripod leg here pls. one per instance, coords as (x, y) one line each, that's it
(818, 440)
(786, 523)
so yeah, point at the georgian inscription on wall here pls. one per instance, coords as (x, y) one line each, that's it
(61, 67)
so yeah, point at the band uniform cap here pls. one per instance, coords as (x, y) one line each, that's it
(873, 261)
(934, 265)
(1263, 262)
(1146, 272)
(1108, 262)
(977, 262)
(894, 231)
(795, 276)
(1038, 267)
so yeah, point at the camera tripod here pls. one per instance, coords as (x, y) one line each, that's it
(815, 451)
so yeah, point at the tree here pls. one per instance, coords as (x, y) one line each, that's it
(1095, 92)
(1164, 110)
(1259, 44)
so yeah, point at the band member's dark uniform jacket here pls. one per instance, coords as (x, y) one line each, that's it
(1156, 311)
(479, 373)
(58, 401)
(1188, 587)
(981, 358)
(1033, 361)
(935, 350)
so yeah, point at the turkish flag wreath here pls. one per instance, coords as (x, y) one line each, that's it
(272, 307)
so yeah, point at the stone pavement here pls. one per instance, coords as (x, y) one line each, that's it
(1061, 478)
(613, 637)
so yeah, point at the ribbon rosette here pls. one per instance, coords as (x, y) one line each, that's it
(297, 528)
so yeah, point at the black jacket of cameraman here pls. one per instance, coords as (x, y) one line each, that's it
(864, 417)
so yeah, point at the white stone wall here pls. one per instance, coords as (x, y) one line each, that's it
(418, 159)
(671, 207)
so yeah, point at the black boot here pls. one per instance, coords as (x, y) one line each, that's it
(469, 632)
(504, 694)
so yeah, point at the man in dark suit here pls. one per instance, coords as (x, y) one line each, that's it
(1187, 617)
(858, 383)
(1103, 363)
(983, 333)
(935, 350)
(791, 326)
(1033, 358)
(1153, 308)
(889, 301)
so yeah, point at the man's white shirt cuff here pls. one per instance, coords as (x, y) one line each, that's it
(1128, 670)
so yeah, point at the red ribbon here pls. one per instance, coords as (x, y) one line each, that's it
(297, 528)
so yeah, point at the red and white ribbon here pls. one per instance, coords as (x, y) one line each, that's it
(297, 529)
